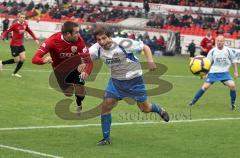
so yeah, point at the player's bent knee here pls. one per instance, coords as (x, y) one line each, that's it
(22, 59)
(16, 60)
(205, 87)
(232, 87)
(144, 108)
(106, 108)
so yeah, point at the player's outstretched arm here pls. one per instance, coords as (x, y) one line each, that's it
(88, 64)
(148, 53)
(39, 59)
(36, 41)
(32, 34)
(235, 67)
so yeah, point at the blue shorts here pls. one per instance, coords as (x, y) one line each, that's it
(214, 77)
(133, 88)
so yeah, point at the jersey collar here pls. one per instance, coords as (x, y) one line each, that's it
(64, 39)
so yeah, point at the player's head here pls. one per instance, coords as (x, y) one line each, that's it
(103, 37)
(21, 17)
(70, 31)
(209, 32)
(220, 40)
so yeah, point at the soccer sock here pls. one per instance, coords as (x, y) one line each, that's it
(233, 96)
(18, 67)
(106, 121)
(79, 100)
(155, 108)
(10, 61)
(199, 93)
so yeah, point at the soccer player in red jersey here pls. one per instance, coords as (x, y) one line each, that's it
(18, 51)
(63, 46)
(207, 43)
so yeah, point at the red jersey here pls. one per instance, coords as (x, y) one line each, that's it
(18, 33)
(61, 50)
(207, 43)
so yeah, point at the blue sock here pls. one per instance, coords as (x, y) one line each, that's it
(197, 95)
(106, 121)
(233, 96)
(155, 108)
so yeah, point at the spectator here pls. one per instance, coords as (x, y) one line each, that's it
(5, 26)
(192, 49)
(207, 43)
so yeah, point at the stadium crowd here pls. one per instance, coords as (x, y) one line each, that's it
(83, 11)
(226, 4)
(222, 25)
(106, 12)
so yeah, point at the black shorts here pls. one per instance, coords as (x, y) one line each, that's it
(16, 50)
(74, 78)
(65, 80)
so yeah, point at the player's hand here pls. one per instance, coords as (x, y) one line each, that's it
(81, 67)
(152, 66)
(47, 60)
(83, 75)
(235, 74)
(37, 42)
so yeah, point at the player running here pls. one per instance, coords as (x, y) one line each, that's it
(63, 46)
(126, 76)
(18, 51)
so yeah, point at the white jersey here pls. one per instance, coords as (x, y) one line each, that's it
(120, 59)
(221, 59)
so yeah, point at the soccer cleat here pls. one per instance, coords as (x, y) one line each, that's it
(79, 106)
(233, 107)
(104, 142)
(190, 104)
(164, 115)
(16, 75)
(79, 109)
(1, 65)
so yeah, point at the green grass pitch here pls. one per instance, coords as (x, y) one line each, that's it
(30, 102)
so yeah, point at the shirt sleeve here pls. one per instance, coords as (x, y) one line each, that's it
(5, 33)
(202, 44)
(31, 33)
(42, 50)
(86, 59)
(210, 55)
(232, 56)
(131, 45)
(93, 51)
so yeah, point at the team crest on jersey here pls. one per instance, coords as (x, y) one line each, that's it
(21, 31)
(74, 49)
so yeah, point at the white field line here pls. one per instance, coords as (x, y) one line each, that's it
(100, 73)
(29, 151)
(116, 124)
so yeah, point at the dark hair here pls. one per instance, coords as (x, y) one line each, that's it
(101, 31)
(68, 27)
